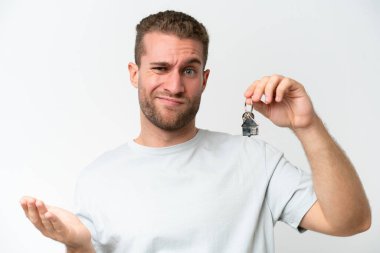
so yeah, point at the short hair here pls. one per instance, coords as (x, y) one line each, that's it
(171, 22)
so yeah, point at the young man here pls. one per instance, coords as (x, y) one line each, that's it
(176, 188)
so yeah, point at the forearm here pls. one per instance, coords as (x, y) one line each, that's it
(336, 183)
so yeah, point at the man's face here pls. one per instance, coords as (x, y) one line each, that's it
(170, 80)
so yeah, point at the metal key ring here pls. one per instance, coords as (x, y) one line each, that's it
(245, 105)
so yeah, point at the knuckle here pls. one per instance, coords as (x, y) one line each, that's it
(286, 80)
(262, 84)
(275, 77)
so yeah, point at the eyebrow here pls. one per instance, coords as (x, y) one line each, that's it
(194, 60)
(160, 63)
(190, 61)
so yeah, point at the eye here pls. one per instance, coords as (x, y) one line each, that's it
(159, 69)
(189, 72)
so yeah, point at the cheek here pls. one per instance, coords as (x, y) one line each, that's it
(195, 87)
(150, 83)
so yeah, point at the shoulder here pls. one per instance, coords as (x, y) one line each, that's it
(249, 145)
(103, 161)
(251, 149)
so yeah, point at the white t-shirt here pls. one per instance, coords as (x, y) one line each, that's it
(215, 193)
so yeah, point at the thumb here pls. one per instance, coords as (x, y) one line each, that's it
(56, 222)
(261, 107)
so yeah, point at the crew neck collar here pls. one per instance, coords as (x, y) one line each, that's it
(169, 149)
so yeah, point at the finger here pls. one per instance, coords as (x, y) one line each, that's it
(249, 92)
(259, 89)
(248, 101)
(42, 210)
(270, 88)
(25, 199)
(262, 108)
(33, 214)
(24, 206)
(25, 202)
(56, 223)
(282, 89)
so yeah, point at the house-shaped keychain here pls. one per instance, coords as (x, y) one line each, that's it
(250, 127)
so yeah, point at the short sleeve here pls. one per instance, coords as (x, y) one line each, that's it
(290, 192)
(82, 207)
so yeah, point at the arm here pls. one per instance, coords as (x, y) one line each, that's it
(58, 224)
(341, 197)
(341, 208)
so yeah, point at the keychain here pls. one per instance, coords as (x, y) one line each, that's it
(250, 127)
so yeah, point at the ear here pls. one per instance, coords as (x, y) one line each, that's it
(206, 73)
(133, 73)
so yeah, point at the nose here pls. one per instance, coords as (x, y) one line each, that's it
(174, 83)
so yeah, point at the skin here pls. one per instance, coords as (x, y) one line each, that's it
(58, 224)
(170, 83)
(171, 76)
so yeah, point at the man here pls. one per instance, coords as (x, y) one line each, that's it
(176, 188)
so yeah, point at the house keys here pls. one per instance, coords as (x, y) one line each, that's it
(250, 127)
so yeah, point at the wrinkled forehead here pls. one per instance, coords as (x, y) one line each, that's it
(169, 48)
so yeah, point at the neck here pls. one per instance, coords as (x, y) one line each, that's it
(153, 136)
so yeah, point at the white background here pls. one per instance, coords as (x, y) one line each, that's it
(65, 95)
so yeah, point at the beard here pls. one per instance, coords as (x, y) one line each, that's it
(173, 119)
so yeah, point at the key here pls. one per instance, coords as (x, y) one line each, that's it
(250, 127)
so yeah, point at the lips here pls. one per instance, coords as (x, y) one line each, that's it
(170, 100)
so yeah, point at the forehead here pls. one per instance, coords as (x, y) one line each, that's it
(168, 47)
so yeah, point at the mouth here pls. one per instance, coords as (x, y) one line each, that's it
(170, 101)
